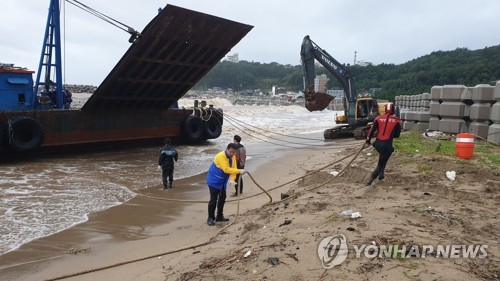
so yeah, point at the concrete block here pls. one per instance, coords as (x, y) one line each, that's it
(479, 128)
(434, 124)
(434, 108)
(495, 113)
(452, 109)
(494, 133)
(483, 93)
(436, 93)
(408, 125)
(410, 116)
(426, 103)
(480, 111)
(453, 126)
(426, 96)
(496, 95)
(422, 116)
(421, 126)
(453, 92)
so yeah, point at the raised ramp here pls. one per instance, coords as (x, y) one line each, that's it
(175, 50)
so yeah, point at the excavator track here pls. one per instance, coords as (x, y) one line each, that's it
(342, 131)
(361, 132)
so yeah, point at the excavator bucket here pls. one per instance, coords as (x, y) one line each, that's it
(317, 101)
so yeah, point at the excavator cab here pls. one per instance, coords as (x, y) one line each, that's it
(361, 111)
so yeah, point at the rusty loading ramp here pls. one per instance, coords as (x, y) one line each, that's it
(175, 50)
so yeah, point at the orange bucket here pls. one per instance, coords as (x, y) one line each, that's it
(464, 145)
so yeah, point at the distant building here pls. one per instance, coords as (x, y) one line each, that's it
(233, 58)
(336, 94)
(275, 90)
(363, 63)
(320, 83)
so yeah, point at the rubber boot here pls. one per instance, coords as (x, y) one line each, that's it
(169, 184)
(369, 183)
(381, 176)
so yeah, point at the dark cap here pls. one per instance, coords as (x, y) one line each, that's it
(237, 138)
(232, 145)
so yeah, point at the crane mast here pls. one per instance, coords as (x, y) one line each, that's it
(50, 59)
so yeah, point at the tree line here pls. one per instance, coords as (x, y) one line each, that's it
(458, 67)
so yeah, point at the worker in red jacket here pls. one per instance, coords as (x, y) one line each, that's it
(387, 127)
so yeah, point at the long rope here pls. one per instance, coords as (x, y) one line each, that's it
(265, 130)
(212, 239)
(265, 138)
(248, 126)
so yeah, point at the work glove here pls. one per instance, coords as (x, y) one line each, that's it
(159, 167)
(242, 172)
(368, 142)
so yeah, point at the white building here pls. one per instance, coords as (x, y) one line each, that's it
(233, 58)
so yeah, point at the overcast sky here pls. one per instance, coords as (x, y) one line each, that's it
(381, 31)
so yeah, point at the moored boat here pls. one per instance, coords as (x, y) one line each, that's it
(135, 102)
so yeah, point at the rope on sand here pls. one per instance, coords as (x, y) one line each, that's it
(213, 239)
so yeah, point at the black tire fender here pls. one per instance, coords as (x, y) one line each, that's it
(213, 128)
(25, 134)
(193, 128)
(2, 136)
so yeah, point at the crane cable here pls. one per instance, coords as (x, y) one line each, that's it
(104, 17)
(212, 239)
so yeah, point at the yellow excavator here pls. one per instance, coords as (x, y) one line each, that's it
(359, 112)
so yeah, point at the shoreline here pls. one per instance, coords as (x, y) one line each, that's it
(118, 232)
(281, 241)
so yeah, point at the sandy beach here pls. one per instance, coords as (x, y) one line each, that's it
(280, 240)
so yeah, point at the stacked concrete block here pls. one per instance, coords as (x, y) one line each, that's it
(454, 109)
(480, 111)
(494, 129)
(414, 111)
(434, 106)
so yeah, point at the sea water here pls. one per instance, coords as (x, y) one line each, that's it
(45, 196)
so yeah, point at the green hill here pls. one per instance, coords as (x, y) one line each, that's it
(461, 66)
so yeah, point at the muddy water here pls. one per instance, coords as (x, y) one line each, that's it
(45, 196)
(41, 197)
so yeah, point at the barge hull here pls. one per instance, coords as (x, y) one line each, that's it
(137, 100)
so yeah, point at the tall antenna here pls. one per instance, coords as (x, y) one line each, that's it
(355, 52)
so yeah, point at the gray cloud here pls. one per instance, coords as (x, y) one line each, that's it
(390, 31)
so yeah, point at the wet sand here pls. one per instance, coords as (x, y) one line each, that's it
(139, 228)
(411, 206)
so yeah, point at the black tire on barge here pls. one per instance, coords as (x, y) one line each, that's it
(213, 128)
(25, 134)
(2, 135)
(193, 128)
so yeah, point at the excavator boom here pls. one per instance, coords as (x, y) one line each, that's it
(315, 101)
(358, 112)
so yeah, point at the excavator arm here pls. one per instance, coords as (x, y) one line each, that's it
(316, 100)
